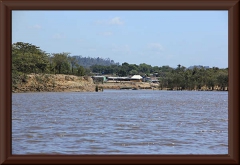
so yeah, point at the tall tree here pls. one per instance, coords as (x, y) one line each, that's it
(61, 63)
(73, 61)
(28, 58)
(222, 79)
(80, 71)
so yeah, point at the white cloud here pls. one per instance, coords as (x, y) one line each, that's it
(35, 27)
(113, 21)
(106, 33)
(155, 47)
(116, 21)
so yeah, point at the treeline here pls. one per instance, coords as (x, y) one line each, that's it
(28, 58)
(194, 79)
(181, 78)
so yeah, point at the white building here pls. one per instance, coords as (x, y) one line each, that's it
(136, 78)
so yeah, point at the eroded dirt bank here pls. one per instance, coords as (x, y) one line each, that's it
(55, 83)
(70, 83)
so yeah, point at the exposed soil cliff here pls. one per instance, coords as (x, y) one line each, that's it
(55, 83)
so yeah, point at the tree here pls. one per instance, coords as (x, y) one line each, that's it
(210, 78)
(125, 68)
(222, 80)
(155, 69)
(179, 66)
(80, 71)
(133, 67)
(61, 63)
(73, 62)
(28, 58)
(145, 68)
(133, 72)
(122, 73)
(87, 72)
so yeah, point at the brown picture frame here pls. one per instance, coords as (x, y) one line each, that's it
(6, 6)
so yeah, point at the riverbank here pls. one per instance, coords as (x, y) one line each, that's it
(70, 83)
(147, 85)
(128, 85)
(55, 83)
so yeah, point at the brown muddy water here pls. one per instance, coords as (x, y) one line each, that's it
(120, 122)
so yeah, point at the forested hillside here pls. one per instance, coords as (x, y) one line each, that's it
(87, 62)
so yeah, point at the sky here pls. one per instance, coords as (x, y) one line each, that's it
(156, 37)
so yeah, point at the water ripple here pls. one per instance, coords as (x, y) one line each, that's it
(120, 122)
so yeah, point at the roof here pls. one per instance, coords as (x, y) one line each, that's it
(98, 76)
(118, 77)
(136, 77)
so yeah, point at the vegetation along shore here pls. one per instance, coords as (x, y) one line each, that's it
(35, 70)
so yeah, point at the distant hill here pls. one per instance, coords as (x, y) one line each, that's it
(86, 62)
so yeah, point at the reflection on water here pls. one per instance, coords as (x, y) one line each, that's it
(120, 122)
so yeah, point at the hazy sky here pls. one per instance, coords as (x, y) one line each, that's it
(153, 37)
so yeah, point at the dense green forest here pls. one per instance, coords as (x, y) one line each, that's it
(28, 58)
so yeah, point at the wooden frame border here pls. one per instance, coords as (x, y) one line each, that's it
(6, 6)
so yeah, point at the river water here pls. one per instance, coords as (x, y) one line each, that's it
(120, 122)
